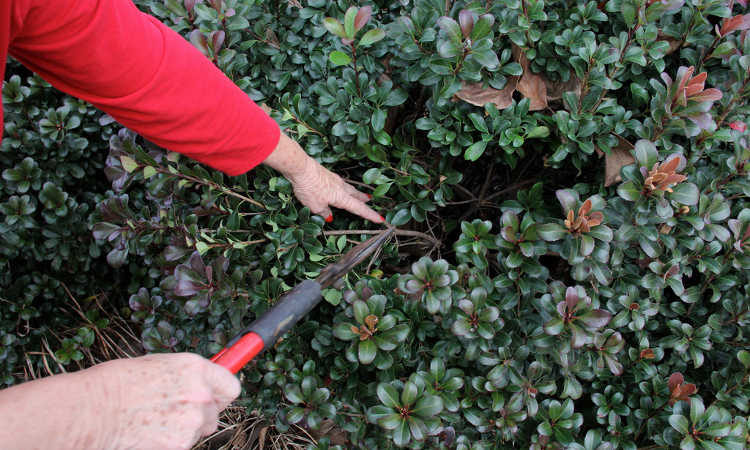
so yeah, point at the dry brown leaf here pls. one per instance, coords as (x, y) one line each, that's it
(555, 89)
(272, 39)
(478, 95)
(674, 44)
(329, 428)
(615, 160)
(531, 85)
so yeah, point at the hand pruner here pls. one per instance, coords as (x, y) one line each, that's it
(266, 330)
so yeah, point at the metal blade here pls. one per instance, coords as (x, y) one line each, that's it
(352, 258)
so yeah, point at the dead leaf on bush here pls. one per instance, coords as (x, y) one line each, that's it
(531, 85)
(478, 95)
(674, 44)
(272, 39)
(535, 87)
(555, 89)
(615, 160)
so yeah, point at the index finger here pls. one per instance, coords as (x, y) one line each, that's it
(359, 208)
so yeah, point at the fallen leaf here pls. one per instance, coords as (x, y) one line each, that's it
(535, 87)
(674, 44)
(615, 160)
(555, 89)
(531, 85)
(329, 428)
(478, 95)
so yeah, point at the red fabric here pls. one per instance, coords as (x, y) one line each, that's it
(143, 74)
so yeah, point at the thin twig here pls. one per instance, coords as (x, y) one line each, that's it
(465, 191)
(435, 242)
(511, 188)
(213, 185)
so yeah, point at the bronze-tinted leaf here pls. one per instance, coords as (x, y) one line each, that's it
(675, 380)
(674, 178)
(362, 17)
(585, 208)
(371, 321)
(272, 39)
(696, 84)
(596, 218)
(570, 220)
(709, 95)
(466, 22)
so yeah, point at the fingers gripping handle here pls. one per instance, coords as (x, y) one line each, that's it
(240, 353)
(266, 330)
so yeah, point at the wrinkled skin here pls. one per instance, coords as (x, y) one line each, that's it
(160, 401)
(315, 186)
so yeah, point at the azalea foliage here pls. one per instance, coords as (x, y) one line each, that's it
(569, 184)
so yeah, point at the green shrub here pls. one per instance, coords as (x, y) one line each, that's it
(51, 182)
(570, 183)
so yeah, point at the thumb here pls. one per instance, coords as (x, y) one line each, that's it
(224, 386)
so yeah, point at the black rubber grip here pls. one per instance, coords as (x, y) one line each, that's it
(288, 311)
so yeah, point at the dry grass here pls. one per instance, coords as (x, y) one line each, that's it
(238, 428)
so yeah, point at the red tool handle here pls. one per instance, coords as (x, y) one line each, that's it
(268, 328)
(235, 357)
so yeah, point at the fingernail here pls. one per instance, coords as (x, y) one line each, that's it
(369, 195)
(329, 219)
(382, 219)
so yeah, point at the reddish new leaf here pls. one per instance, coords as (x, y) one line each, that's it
(362, 17)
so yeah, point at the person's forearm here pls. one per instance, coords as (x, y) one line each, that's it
(288, 158)
(146, 76)
(53, 412)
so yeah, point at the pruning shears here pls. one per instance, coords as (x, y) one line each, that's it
(263, 333)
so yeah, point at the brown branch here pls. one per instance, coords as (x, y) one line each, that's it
(511, 188)
(435, 242)
(211, 184)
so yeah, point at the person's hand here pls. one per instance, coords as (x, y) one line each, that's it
(164, 401)
(317, 187)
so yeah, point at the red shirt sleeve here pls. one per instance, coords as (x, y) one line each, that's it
(147, 77)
